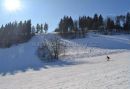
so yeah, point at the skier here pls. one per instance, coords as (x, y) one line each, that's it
(108, 58)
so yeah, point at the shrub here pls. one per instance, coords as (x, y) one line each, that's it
(51, 49)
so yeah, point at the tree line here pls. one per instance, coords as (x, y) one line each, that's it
(40, 28)
(13, 33)
(19, 32)
(78, 28)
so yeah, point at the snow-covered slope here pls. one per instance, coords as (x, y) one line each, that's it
(23, 56)
(95, 73)
(96, 45)
(20, 57)
(84, 65)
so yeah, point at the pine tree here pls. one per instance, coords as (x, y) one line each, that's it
(70, 24)
(83, 24)
(95, 22)
(89, 23)
(128, 22)
(33, 30)
(101, 23)
(110, 25)
(41, 28)
(38, 28)
(75, 28)
(28, 29)
(117, 24)
(46, 27)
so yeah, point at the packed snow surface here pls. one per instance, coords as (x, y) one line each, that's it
(95, 73)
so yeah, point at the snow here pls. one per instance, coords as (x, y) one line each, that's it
(96, 45)
(83, 66)
(96, 73)
(19, 57)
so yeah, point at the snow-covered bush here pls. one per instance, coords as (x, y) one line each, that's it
(51, 49)
(44, 52)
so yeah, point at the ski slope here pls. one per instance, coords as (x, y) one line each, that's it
(83, 66)
(95, 73)
(23, 56)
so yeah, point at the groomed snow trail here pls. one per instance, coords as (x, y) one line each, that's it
(96, 73)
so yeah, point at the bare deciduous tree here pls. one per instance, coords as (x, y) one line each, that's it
(51, 49)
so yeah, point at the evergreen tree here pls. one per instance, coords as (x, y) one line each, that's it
(95, 22)
(70, 24)
(46, 27)
(101, 23)
(41, 28)
(89, 23)
(33, 30)
(118, 24)
(127, 24)
(28, 29)
(38, 28)
(75, 28)
(110, 25)
(61, 27)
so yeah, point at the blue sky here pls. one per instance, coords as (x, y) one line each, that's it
(51, 11)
